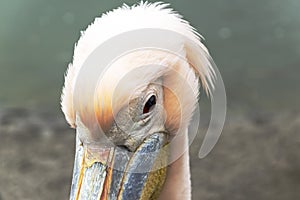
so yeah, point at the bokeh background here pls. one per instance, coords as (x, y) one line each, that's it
(256, 46)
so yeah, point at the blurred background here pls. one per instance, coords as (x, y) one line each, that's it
(256, 46)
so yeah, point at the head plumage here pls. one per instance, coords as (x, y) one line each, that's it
(144, 15)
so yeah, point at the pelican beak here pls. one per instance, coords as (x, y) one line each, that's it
(118, 174)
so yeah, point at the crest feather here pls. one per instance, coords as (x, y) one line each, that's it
(124, 19)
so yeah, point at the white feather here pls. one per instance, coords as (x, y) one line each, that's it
(126, 18)
(180, 107)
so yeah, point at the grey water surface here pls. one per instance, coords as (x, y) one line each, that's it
(256, 46)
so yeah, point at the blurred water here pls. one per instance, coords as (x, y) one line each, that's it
(256, 45)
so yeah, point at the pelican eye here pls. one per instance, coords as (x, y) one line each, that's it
(149, 105)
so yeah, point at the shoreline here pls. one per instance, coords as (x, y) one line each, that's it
(256, 157)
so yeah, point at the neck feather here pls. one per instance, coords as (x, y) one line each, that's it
(178, 183)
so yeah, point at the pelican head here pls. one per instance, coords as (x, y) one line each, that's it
(125, 146)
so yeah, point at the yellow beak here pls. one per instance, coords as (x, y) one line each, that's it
(118, 174)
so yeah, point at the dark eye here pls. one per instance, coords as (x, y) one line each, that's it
(149, 104)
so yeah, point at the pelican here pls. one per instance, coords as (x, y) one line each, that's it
(126, 129)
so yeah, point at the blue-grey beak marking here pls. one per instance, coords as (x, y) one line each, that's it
(124, 177)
